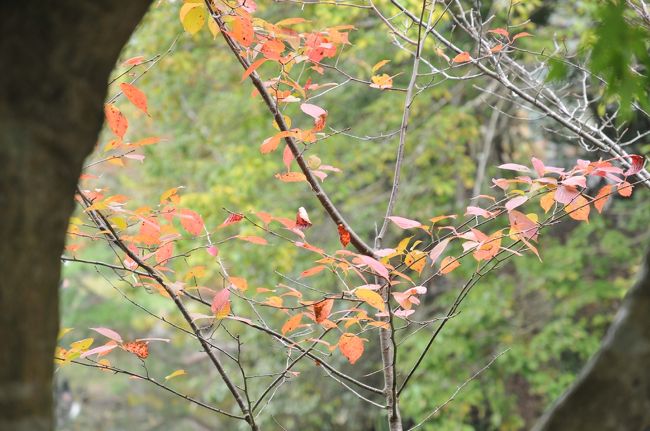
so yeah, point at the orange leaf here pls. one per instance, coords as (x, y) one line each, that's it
(522, 34)
(547, 201)
(448, 264)
(322, 310)
(291, 177)
(344, 235)
(602, 197)
(312, 271)
(116, 120)
(135, 95)
(242, 30)
(351, 346)
(415, 259)
(138, 348)
(291, 324)
(463, 57)
(239, 282)
(625, 189)
(253, 239)
(253, 67)
(578, 209)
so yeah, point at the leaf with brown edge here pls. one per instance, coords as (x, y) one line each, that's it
(292, 323)
(322, 310)
(578, 209)
(602, 197)
(344, 235)
(302, 219)
(448, 264)
(138, 348)
(135, 96)
(351, 346)
(371, 298)
(117, 122)
(291, 177)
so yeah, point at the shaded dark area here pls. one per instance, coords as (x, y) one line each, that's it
(56, 60)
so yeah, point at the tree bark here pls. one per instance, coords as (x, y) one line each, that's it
(56, 59)
(613, 390)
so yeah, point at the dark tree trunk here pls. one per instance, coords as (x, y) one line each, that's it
(613, 391)
(56, 58)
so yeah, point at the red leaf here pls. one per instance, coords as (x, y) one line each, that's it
(302, 219)
(135, 95)
(636, 164)
(344, 235)
(351, 346)
(134, 61)
(191, 221)
(232, 219)
(116, 120)
(405, 223)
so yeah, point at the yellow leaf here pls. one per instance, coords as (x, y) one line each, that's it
(175, 374)
(82, 345)
(193, 17)
(379, 65)
(415, 260)
(371, 298)
(63, 331)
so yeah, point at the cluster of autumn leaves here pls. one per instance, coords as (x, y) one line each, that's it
(151, 234)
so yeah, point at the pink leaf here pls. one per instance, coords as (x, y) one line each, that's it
(514, 167)
(438, 250)
(375, 265)
(515, 202)
(109, 333)
(566, 194)
(577, 180)
(477, 211)
(312, 110)
(405, 223)
(213, 251)
(539, 167)
(98, 350)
